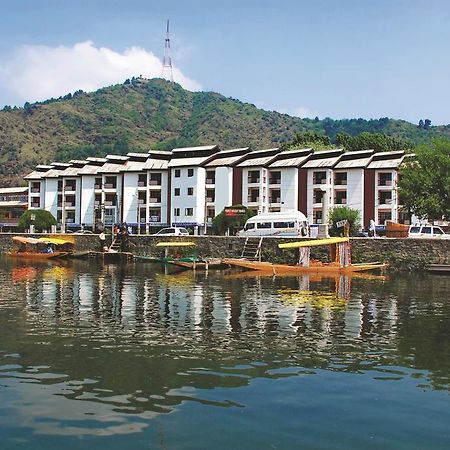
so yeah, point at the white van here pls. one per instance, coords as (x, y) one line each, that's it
(283, 224)
(427, 231)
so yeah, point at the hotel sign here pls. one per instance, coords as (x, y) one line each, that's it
(231, 211)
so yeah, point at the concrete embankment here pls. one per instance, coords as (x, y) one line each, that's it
(401, 254)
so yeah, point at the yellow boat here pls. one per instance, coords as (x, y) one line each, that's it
(340, 251)
(41, 248)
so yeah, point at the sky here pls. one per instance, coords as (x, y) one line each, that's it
(325, 58)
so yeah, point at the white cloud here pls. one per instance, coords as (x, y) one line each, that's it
(304, 111)
(41, 72)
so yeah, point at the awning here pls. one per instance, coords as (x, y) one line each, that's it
(314, 243)
(56, 241)
(26, 240)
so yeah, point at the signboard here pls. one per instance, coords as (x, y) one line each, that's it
(232, 211)
(341, 223)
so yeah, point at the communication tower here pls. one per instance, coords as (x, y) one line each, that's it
(167, 71)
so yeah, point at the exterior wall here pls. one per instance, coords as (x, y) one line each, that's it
(289, 189)
(355, 190)
(237, 186)
(223, 188)
(184, 201)
(388, 208)
(369, 197)
(130, 197)
(51, 196)
(87, 199)
(302, 191)
(262, 203)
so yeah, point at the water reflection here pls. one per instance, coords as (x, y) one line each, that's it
(129, 342)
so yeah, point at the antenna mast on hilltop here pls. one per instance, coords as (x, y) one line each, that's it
(167, 71)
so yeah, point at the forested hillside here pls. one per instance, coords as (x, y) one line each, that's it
(143, 114)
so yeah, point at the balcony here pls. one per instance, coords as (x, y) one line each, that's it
(274, 200)
(110, 186)
(154, 200)
(141, 201)
(253, 180)
(109, 203)
(69, 204)
(35, 190)
(69, 188)
(154, 182)
(210, 199)
(210, 181)
(274, 180)
(253, 199)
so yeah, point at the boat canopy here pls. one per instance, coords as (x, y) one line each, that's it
(315, 243)
(26, 240)
(176, 244)
(55, 241)
(42, 240)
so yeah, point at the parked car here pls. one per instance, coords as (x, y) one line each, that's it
(427, 231)
(172, 231)
(84, 232)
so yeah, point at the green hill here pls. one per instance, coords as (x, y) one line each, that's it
(144, 114)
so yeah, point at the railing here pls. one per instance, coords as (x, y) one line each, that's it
(69, 188)
(385, 183)
(35, 205)
(210, 181)
(35, 190)
(110, 186)
(154, 182)
(141, 183)
(339, 182)
(13, 221)
(253, 199)
(141, 201)
(253, 180)
(154, 200)
(274, 180)
(319, 181)
(210, 199)
(274, 200)
(97, 186)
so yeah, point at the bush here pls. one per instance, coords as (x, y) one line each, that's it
(43, 220)
(344, 213)
(222, 223)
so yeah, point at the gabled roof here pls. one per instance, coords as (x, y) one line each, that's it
(291, 158)
(323, 159)
(259, 158)
(387, 160)
(13, 190)
(228, 157)
(354, 160)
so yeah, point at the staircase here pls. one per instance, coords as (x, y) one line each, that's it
(116, 245)
(252, 249)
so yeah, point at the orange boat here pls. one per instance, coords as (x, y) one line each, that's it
(41, 248)
(396, 230)
(339, 248)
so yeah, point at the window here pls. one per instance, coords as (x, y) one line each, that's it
(189, 211)
(177, 192)
(385, 179)
(383, 216)
(426, 230)
(253, 176)
(284, 224)
(340, 178)
(249, 226)
(318, 195)
(275, 177)
(190, 191)
(263, 225)
(190, 172)
(176, 212)
(437, 230)
(319, 177)
(177, 173)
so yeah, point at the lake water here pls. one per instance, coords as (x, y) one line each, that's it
(114, 357)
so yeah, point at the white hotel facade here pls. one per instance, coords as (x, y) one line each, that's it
(190, 186)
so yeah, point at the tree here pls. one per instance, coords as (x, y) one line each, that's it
(374, 141)
(222, 223)
(424, 181)
(339, 213)
(40, 218)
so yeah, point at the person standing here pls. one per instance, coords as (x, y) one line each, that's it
(372, 228)
(102, 238)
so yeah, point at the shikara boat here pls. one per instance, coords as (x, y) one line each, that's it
(340, 251)
(41, 248)
(396, 230)
(183, 254)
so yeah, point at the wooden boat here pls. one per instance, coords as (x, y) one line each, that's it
(396, 230)
(41, 248)
(339, 249)
(199, 264)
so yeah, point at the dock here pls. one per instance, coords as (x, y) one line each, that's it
(438, 268)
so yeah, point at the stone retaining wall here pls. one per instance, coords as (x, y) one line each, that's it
(401, 254)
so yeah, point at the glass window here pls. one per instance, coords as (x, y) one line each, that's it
(177, 192)
(189, 212)
(177, 173)
(437, 230)
(414, 230)
(176, 212)
(263, 225)
(249, 226)
(426, 230)
(190, 191)
(190, 172)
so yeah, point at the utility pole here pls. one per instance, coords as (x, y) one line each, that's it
(167, 71)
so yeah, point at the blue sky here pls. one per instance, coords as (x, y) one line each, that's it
(339, 59)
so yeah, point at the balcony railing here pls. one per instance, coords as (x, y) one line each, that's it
(341, 201)
(35, 190)
(210, 199)
(69, 188)
(154, 182)
(110, 186)
(141, 183)
(340, 182)
(97, 186)
(384, 182)
(141, 201)
(69, 204)
(274, 180)
(275, 200)
(35, 205)
(154, 200)
(253, 180)
(253, 199)
(210, 181)
(319, 181)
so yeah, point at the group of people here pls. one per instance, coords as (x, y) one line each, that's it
(120, 234)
